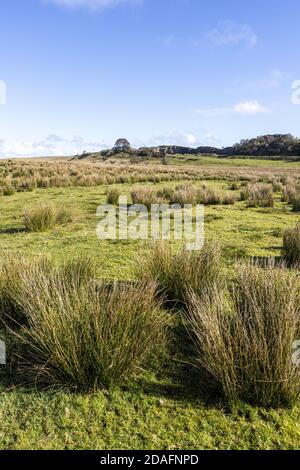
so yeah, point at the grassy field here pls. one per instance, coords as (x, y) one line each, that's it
(241, 230)
(161, 408)
(233, 162)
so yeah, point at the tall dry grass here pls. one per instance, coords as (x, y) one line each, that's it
(146, 196)
(87, 335)
(291, 246)
(43, 217)
(113, 195)
(11, 286)
(30, 174)
(291, 195)
(176, 273)
(258, 195)
(8, 191)
(184, 194)
(15, 272)
(243, 338)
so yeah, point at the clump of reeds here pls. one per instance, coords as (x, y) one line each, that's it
(80, 332)
(8, 191)
(291, 245)
(258, 195)
(113, 195)
(43, 217)
(146, 196)
(244, 337)
(176, 273)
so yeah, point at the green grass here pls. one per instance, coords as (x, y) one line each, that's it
(252, 231)
(232, 162)
(153, 415)
(159, 410)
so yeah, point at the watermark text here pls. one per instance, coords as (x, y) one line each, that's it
(157, 222)
(296, 92)
(2, 92)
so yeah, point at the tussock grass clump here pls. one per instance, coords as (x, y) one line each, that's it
(63, 215)
(289, 192)
(8, 191)
(296, 203)
(11, 283)
(44, 217)
(277, 186)
(189, 194)
(258, 195)
(291, 195)
(14, 272)
(184, 194)
(176, 273)
(78, 271)
(146, 196)
(244, 338)
(166, 193)
(228, 200)
(86, 335)
(209, 196)
(113, 195)
(234, 186)
(291, 246)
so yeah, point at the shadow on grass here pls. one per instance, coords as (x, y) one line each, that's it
(177, 378)
(266, 261)
(170, 376)
(185, 386)
(13, 230)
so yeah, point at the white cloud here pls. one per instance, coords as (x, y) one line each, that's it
(250, 108)
(212, 112)
(243, 107)
(271, 80)
(188, 139)
(211, 140)
(174, 138)
(296, 93)
(191, 139)
(52, 145)
(92, 4)
(230, 33)
(275, 78)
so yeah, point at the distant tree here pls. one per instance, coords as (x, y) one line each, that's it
(122, 144)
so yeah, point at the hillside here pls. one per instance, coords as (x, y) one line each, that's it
(277, 146)
(267, 145)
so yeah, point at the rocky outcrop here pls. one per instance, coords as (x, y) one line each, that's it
(278, 145)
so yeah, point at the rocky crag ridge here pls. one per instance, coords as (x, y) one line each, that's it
(278, 145)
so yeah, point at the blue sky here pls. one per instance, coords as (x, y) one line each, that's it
(81, 73)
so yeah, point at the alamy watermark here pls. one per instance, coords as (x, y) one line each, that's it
(296, 92)
(296, 353)
(2, 92)
(157, 222)
(2, 353)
